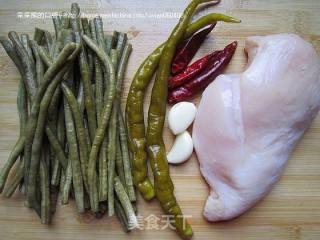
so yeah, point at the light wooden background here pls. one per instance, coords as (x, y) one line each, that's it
(290, 211)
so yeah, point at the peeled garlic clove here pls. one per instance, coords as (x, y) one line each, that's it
(180, 116)
(181, 150)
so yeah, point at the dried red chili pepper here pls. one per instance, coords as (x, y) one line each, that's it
(191, 71)
(188, 48)
(216, 66)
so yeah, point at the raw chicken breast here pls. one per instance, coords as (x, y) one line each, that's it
(248, 124)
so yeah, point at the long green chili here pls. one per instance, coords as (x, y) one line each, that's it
(156, 116)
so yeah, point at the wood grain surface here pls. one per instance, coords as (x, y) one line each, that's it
(290, 211)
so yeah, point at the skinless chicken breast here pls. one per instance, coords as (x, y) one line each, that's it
(248, 124)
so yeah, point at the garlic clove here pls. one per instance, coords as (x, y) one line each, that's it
(180, 116)
(182, 149)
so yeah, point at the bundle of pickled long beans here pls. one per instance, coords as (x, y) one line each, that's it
(73, 139)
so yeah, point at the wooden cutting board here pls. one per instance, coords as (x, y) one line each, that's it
(290, 211)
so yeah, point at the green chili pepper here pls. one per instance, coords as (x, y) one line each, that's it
(156, 116)
(207, 20)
